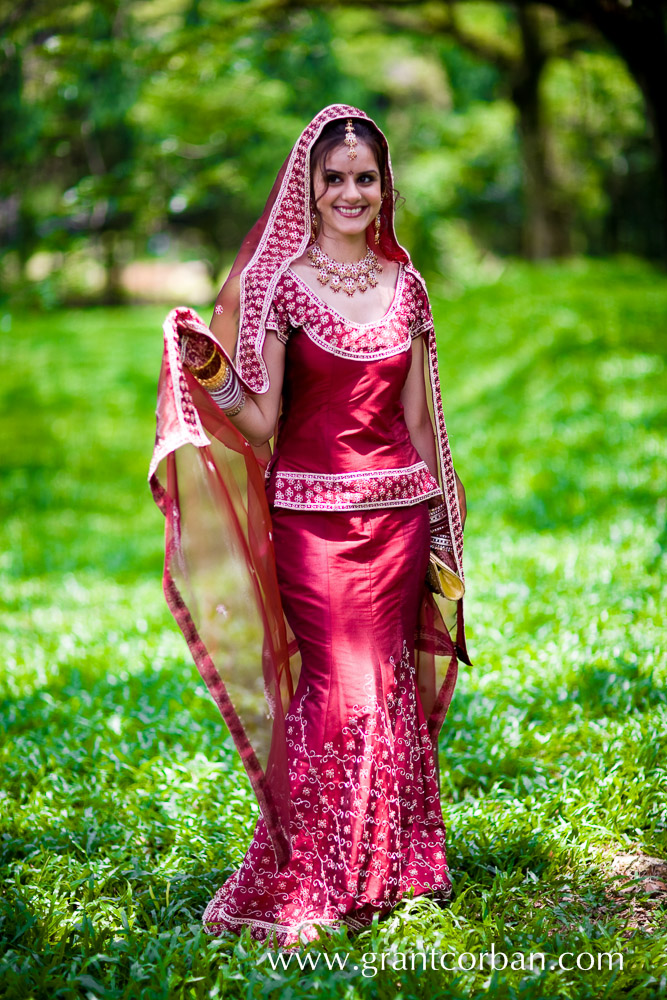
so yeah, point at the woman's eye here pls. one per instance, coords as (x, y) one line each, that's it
(332, 178)
(366, 179)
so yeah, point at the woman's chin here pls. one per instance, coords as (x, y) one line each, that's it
(348, 229)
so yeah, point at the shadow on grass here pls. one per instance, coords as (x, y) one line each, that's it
(477, 855)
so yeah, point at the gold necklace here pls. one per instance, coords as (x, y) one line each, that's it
(350, 277)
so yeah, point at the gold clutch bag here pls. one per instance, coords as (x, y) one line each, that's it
(443, 580)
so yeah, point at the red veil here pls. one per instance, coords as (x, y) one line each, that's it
(219, 573)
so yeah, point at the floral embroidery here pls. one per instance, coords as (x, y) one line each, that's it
(297, 306)
(354, 490)
(366, 824)
(449, 485)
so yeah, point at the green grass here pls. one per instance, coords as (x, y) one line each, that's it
(122, 804)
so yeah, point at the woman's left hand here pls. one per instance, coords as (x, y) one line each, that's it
(448, 558)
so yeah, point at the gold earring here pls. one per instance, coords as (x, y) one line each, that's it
(314, 223)
(377, 228)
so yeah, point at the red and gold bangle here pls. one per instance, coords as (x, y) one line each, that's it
(437, 513)
(441, 542)
(215, 381)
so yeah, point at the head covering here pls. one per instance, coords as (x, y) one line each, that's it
(219, 575)
(280, 236)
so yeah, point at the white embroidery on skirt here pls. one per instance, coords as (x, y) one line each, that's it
(366, 823)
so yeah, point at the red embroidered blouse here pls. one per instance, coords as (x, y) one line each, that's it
(342, 441)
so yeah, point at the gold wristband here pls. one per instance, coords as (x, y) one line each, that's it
(215, 381)
(201, 368)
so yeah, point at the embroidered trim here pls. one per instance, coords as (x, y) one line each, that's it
(334, 333)
(190, 429)
(297, 306)
(283, 337)
(424, 327)
(355, 490)
(446, 465)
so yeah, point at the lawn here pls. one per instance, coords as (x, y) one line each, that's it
(122, 805)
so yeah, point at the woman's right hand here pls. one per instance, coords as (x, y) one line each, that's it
(257, 418)
(197, 352)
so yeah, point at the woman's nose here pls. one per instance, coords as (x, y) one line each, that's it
(350, 190)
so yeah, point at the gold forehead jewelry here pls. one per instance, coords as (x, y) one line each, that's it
(350, 140)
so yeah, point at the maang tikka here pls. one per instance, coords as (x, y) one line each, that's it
(350, 140)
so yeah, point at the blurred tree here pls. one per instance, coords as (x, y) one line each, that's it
(17, 143)
(217, 116)
(636, 30)
(79, 79)
(522, 56)
(130, 128)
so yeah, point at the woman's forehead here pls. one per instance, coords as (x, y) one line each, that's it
(338, 159)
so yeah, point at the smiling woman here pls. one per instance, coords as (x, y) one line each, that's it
(322, 331)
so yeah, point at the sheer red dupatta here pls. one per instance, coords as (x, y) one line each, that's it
(219, 574)
(440, 639)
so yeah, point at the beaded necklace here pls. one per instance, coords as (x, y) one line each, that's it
(350, 277)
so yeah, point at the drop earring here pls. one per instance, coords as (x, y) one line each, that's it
(377, 228)
(314, 223)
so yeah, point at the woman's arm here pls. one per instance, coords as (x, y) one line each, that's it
(255, 415)
(415, 408)
(418, 418)
(257, 419)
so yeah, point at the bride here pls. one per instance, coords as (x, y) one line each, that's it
(322, 339)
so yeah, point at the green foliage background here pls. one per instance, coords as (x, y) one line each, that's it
(155, 130)
(122, 805)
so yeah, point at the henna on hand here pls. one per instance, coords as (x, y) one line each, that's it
(199, 354)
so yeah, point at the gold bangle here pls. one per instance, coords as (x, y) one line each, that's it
(215, 381)
(201, 368)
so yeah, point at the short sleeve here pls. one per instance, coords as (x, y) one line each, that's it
(278, 321)
(421, 318)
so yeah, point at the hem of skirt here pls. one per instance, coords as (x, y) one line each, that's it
(293, 933)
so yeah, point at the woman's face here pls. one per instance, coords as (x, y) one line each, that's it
(348, 195)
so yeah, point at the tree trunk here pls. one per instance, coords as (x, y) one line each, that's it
(546, 229)
(644, 48)
(638, 31)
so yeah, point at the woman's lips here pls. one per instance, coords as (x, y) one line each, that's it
(350, 213)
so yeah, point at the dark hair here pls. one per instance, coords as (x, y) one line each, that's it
(333, 135)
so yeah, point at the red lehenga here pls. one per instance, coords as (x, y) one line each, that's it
(329, 541)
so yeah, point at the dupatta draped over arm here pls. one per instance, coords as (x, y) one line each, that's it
(219, 572)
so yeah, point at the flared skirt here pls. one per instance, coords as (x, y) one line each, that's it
(365, 818)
